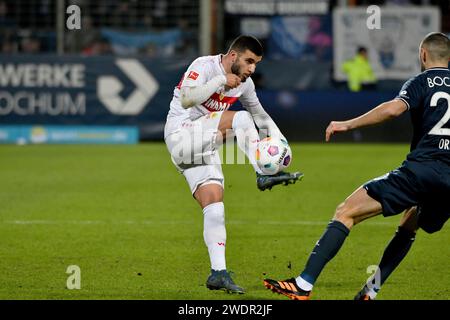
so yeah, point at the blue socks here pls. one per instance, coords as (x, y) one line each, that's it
(395, 252)
(325, 249)
(332, 240)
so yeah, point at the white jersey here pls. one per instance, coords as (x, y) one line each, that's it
(201, 71)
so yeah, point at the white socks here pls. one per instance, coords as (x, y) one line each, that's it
(303, 284)
(214, 234)
(246, 135)
(370, 289)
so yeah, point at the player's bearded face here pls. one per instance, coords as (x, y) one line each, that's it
(236, 68)
(245, 64)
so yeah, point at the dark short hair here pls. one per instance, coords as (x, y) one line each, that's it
(361, 49)
(438, 46)
(244, 42)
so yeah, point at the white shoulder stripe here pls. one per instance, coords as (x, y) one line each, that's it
(407, 104)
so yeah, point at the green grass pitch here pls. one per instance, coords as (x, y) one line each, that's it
(125, 216)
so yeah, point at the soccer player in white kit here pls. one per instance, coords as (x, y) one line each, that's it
(197, 123)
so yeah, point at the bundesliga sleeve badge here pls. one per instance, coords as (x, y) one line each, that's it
(193, 75)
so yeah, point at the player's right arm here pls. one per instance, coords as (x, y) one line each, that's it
(196, 89)
(381, 113)
(409, 97)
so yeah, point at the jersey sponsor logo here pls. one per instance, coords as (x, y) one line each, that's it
(212, 115)
(193, 75)
(216, 103)
(404, 94)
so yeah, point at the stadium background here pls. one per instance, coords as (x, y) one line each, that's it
(124, 215)
(305, 44)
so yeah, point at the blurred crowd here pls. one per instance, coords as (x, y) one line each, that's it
(29, 26)
(152, 27)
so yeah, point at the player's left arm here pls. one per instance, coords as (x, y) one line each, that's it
(251, 103)
(381, 113)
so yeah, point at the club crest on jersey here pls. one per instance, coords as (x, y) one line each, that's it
(219, 102)
(193, 75)
(212, 115)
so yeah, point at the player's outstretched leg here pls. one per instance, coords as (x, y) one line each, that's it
(394, 253)
(247, 139)
(247, 136)
(356, 208)
(210, 197)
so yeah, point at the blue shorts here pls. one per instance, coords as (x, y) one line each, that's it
(423, 184)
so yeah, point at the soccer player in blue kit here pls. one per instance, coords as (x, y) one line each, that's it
(420, 186)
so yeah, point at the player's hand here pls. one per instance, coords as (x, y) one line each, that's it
(336, 126)
(232, 80)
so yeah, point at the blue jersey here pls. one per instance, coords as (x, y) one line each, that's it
(428, 98)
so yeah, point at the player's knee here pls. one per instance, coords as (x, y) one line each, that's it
(242, 120)
(344, 214)
(409, 221)
(207, 197)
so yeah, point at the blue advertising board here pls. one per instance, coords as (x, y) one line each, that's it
(93, 97)
(76, 91)
(68, 134)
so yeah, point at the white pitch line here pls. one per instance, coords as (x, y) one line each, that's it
(182, 222)
(51, 222)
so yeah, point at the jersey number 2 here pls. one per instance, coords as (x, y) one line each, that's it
(437, 129)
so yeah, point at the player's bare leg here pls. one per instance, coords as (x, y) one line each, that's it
(356, 208)
(208, 194)
(394, 253)
(210, 197)
(241, 122)
(409, 220)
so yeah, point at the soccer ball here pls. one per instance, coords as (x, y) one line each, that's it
(273, 155)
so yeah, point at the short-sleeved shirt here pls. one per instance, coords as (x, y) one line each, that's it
(423, 180)
(427, 96)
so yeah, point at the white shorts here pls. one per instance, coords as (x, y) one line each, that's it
(193, 150)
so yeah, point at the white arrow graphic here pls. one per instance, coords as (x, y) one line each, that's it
(109, 87)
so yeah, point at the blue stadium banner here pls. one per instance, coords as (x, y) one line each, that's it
(307, 38)
(392, 49)
(76, 93)
(68, 134)
(88, 91)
